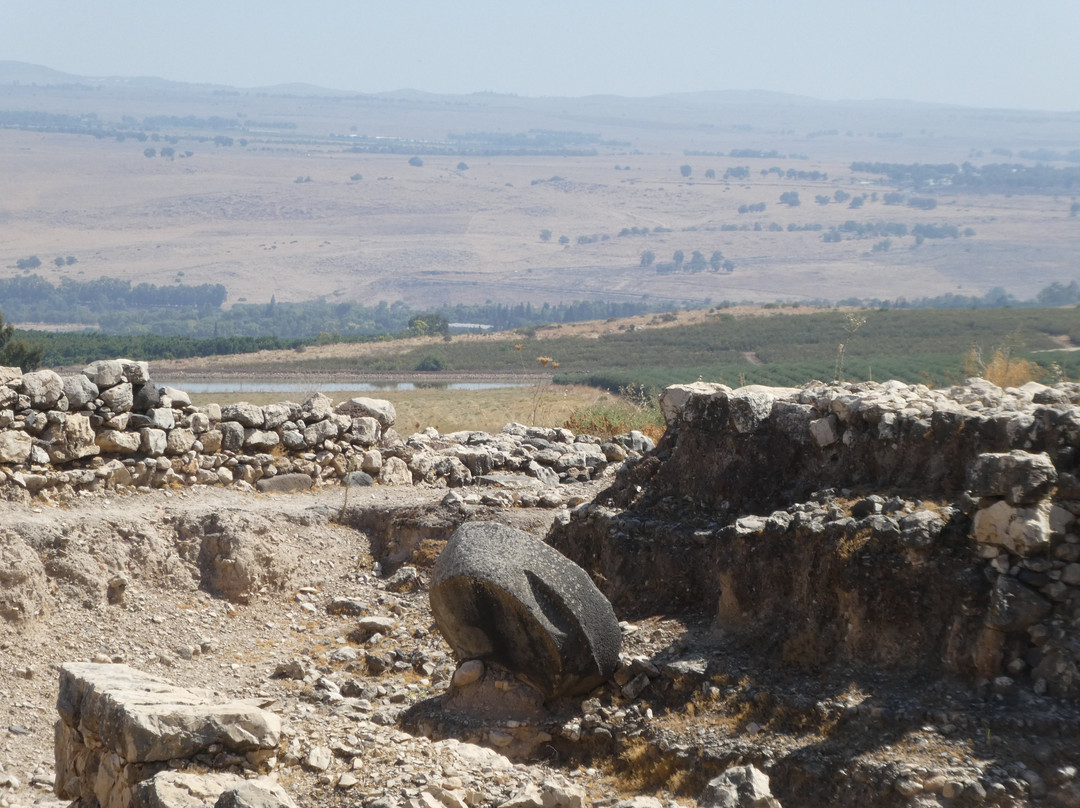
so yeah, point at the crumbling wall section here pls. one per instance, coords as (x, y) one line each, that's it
(871, 523)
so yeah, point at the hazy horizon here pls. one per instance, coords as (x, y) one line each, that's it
(994, 54)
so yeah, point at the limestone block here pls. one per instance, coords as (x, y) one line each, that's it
(379, 409)
(739, 787)
(284, 483)
(145, 719)
(825, 431)
(244, 414)
(153, 441)
(179, 398)
(211, 441)
(1021, 477)
(394, 471)
(119, 398)
(316, 433)
(1022, 531)
(15, 446)
(232, 436)
(317, 408)
(179, 441)
(70, 440)
(750, 406)
(260, 440)
(136, 372)
(364, 430)
(79, 390)
(43, 388)
(674, 399)
(172, 789)
(9, 374)
(501, 595)
(275, 415)
(105, 372)
(161, 418)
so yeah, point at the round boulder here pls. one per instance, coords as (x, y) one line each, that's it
(503, 596)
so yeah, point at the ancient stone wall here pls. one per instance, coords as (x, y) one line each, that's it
(879, 523)
(111, 426)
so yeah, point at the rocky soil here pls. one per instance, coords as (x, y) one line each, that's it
(315, 604)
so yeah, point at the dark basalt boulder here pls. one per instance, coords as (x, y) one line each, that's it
(500, 595)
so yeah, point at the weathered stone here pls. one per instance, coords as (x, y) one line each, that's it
(1020, 530)
(260, 440)
(318, 407)
(358, 479)
(379, 409)
(136, 372)
(117, 442)
(179, 441)
(153, 441)
(275, 415)
(15, 446)
(316, 433)
(118, 398)
(70, 440)
(178, 398)
(43, 388)
(173, 789)
(825, 431)
(394, 471)
(232, 436)
(244, 414)
(145, 719)
(1020, 477)
(499, 594)
(105, 372)
(364, 430)
(1014, 606)
(284, 483)
(9, 374)
(259, 793)
(739, 787)
(79, 390)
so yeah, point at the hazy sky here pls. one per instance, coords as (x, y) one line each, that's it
(987, 53)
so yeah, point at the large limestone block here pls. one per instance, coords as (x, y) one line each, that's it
(71, 439)
(115, 441)
(105, 372)
(9, 374)
(145, 719)
(43, 388)
(1021, 477)
(379, 409)
(119, 398)
(80, 391)
(739, 787)
(15, 446)
(1021, 531)
(499, 594)
(171, 789)
(674, 399)
(245, 414)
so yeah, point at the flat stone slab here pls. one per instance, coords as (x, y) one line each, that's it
(501, 595)
(145, 719)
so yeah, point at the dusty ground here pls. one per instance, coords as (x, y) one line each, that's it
(870, 736)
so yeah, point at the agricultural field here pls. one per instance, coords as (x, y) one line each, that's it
(432, 201)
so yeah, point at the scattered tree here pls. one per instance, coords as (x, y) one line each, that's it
(841, 195)
(17, 352)
(710, 174)
(678, 258)
(545, 235)
(564, 239)
(647, 258)
(790, 198)
(685, 170)
(857, 202)
(33, 262)
(149, 152)
(462, 166)
(415, 161)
